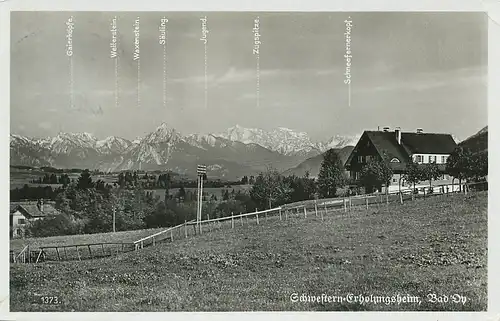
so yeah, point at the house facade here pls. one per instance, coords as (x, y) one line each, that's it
(24, 212)
(396, 148)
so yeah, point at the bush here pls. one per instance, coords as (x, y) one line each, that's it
(54, 226)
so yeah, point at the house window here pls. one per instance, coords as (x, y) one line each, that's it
(443, 159)
(394, 180)
(21, 221)
(367, 159)
(361, 159)
(419, 158)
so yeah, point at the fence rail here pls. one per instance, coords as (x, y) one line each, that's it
(139, 244)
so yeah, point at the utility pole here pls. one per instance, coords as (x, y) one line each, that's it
(201, 172)
(114, 219)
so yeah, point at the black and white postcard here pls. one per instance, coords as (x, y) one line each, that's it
(257, 160)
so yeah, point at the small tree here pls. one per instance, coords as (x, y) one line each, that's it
(375, 173)
(225, 195)
(478, 167)
(430, 172)
(413, 174)
(85, 180)
(458, 164)
(331, 175)
(270, 189)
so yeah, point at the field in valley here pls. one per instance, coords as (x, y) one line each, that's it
(20, 177)
(435, 245)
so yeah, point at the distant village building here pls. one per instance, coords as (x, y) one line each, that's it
(397, 148)
(24, 212)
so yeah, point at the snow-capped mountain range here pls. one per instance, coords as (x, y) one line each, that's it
(285, 141)
(237, 151)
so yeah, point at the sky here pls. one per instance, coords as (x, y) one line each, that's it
(412, 70)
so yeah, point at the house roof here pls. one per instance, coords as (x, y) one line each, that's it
(386, 143)
(30, 208)
(428, 143)
(411, 143)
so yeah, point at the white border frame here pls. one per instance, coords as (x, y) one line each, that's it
(490, 7)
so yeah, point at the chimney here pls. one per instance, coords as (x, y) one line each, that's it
(386, 129)
(420, 130)
(397, 131)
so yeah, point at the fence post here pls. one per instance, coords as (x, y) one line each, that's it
(316, 208)
(322, 212)
(401, 197)
(350, 204)
(305, 212)
(232, 220)
(465, 188)
(286, 214)
(326, 212)
(366, 201)
(171, 235)
(257, 215)
(387, 196)
(241, 219)
(280, 213)
(424, 191)
(265, 215)
(185, 230)
(345, 205)
(154, 241)
(78, 252)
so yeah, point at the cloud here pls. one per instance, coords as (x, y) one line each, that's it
(235, 76)
(45, 125)
(327, 72)
(430, 80)
(248, 96)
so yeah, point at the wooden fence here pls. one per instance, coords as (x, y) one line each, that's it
(318, 208)
(177, 231)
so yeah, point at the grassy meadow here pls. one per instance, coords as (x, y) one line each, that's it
(119, 237)
(435, 245)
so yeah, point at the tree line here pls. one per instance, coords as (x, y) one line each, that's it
(272, 189)
(87, 206)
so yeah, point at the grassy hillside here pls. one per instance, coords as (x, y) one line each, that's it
(119, 237)
(477, 143)
(313, 164)
(436, 245)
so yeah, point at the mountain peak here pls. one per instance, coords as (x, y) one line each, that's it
(163, 133)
